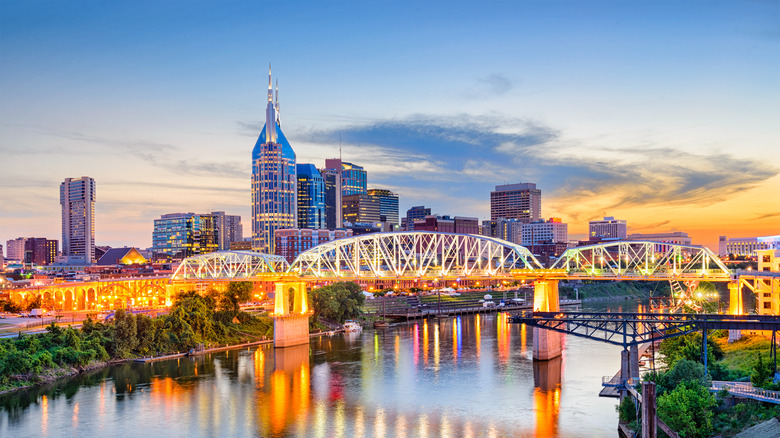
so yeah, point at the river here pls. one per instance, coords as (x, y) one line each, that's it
(457, 377)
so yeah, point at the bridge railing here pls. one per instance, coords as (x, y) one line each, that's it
(746, 389)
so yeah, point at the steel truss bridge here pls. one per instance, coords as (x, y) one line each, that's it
(629, 329)
(403, 258)
(230, 265)
(416, 254)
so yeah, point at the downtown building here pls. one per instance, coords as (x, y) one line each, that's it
(180, 235)
(415, 213)
(546, 239)
(311, 197)
(293, 241)
(522, 201)
(607, 229)
(77, 199)
(354, 179)
(33, 250)
(746, 246)
(510, 230)
(388, 207)
(334, 217)
(663, 239)
(447, 224)
(274, 180)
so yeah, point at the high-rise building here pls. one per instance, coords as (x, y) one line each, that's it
(40, 251)
(230, 229)
(274, 180)
(333, 214)
(609, 228)
(360, 208)
(354, 179)
(415, 213)
(15, 249)
(291, 242)
(388, 206)
(77, 198)
(505, 229)
(180, 235)
(311, 197)
(521, 201)
(544, 231)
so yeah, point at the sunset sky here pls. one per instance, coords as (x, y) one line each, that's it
(666, 114)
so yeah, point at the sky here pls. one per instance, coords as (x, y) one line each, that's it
(664, 113)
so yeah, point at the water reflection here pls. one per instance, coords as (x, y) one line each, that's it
(547, 396)
(466, 376)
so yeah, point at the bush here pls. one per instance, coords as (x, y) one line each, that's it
(687, 409)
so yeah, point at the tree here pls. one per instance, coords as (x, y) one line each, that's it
(688, 347)
(236, 293)
(763, 372)
(338, 302)
(125, 334)
(687, 409)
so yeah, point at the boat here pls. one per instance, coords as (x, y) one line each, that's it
(351, 326)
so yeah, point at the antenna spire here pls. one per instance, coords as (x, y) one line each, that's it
(278, 113)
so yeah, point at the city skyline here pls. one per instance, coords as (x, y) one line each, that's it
(662, 116)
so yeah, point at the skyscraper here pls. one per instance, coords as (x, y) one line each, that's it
(521, 201)
(229, 229)
(311, 197)
(388, 206)
(180, 235)
(609, 228)
(274, 180)
(354, 179)
(77, 198)
(333, 215)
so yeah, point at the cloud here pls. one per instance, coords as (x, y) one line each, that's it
(767, 216)
(496, 83)
(581, 178)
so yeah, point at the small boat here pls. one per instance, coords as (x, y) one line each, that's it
(381, 324)
(351, 326)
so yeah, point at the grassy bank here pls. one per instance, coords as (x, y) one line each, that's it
(194, 321)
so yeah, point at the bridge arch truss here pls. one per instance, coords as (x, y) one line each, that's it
(642, 260)
(413, 254)
(228, 265)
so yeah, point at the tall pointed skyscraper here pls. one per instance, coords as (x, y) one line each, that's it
(274, 180)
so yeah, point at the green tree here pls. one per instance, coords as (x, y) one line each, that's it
(688, 347)
(237, 292)
(338, 302)
(763, 372)
(125, 333)
(687, 409)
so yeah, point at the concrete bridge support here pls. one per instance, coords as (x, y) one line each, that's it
(291, 327)
(736, 307)
(547, 343)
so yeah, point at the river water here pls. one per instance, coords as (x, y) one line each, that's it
(458, 377)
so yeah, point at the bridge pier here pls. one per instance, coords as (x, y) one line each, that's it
(735, 308)
(291, 328)
(547, 343)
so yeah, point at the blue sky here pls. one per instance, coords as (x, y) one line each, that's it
(662, 113)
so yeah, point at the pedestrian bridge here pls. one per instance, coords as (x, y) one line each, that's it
(416, 254)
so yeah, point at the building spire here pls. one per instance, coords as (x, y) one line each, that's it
(270, 112)
(278, 113)
(270, 90)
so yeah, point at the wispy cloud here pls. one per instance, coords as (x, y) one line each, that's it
(585, 177)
